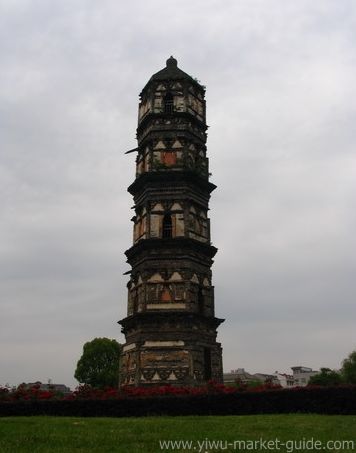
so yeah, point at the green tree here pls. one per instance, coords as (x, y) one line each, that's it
(326, 377)
(99, 363)
(348, 369)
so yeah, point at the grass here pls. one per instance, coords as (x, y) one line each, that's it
(130, 435)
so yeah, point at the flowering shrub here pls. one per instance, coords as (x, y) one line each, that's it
(25, 393)
(211, 399)
(86, 392)
(212, 387)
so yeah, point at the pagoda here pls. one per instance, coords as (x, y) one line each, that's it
(171, 328)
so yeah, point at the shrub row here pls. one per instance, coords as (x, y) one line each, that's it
(35, 392)
(332, 400)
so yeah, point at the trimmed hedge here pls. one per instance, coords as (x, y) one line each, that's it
(322, 400)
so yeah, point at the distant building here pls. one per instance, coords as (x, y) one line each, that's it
(48, 387)
(284, 380)
(302, 374)
(300, 377)
(239, 376)
(266, 378)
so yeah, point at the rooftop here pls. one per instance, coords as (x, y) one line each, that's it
(172, 72)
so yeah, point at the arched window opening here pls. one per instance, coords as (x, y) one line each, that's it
(167, 226)
(168, 103)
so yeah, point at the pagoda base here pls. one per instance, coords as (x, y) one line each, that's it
(182, 351)
(156, 363)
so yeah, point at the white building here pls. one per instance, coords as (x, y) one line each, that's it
(284, 380)
(302, 374)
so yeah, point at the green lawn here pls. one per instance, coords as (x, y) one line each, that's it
(69, 434)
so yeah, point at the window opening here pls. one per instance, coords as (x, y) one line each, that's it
(168, 103)
(167, 226)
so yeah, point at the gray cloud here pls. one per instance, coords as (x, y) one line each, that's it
(280, 90)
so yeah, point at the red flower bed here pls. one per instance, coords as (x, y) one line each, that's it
(86, 392)
(24, 393)
(211, 399)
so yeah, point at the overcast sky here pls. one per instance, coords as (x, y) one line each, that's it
(281, 106)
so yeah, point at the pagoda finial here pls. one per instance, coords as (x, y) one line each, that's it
(171, 62)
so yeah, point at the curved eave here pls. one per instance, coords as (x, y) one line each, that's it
(171, 243)
(176, 75)
(154, 115)
(172, 177)
(149, 317)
